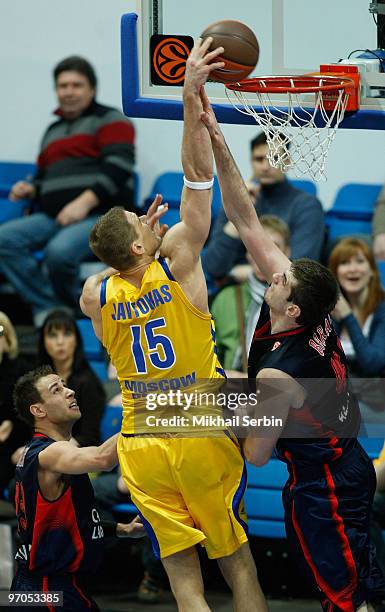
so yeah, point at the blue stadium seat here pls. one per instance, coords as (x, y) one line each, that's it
(11, 210)
(92, 346)
(111, 422)
(263, 499)
(272, 475)
(352, 210)
(100, 369)
(356, 201)
(373, 446)
(344, 226)
(10, 172)
(307, 186)
(171, 217)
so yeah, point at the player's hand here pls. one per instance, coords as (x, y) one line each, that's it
(200, 64)
(208, 116)
(78, 209)
(22, 190)
(6, 428)
(17, 454)
(134, 529)
(342, 309)
(154, 213)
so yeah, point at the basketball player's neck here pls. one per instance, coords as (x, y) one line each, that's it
(55, 431)
(134, 275)
(280, 323)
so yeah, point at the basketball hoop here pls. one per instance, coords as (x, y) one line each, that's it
(306, 131)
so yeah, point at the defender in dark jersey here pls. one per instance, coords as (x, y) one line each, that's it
(59, 527)
(331, 483)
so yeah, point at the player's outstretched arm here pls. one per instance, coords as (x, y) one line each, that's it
(237, 203)
(65, 458)
(183, 243)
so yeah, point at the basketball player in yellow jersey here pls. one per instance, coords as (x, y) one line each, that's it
(152, 316)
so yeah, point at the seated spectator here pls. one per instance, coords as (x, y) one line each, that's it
(236, 308)
(360, 316)
(379, 227)
(60, 345)
(84, 167)
(273, 194)
(13, 432)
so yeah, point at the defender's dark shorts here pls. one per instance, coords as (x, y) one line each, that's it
(75, 599)
(327, 514)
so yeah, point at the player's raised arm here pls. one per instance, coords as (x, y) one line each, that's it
(197, 161)
(237, 203)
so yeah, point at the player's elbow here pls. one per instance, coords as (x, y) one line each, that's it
(255, 453)
(257, 458)
(87, 298)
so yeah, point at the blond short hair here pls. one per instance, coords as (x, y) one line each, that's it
(111, 239)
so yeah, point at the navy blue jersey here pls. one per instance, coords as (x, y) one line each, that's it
(327, 424)
(60, 536)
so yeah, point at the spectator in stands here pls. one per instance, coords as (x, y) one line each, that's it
(272, 194)
(360, 316)
(60, 345)
(379, 227)
(236, 307)
(13, 433)
(84, 167)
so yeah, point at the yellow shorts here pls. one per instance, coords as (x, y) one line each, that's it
(188, 491)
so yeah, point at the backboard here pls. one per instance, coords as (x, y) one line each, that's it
(295, 37)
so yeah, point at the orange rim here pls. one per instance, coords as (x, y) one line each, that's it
(292, 84)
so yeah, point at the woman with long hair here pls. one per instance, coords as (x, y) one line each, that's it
(360, 310)
(60, 345)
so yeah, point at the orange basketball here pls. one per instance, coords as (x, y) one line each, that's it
(241, 49)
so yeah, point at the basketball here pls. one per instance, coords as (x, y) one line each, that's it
(241, 49)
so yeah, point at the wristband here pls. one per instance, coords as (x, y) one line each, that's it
(200, 186)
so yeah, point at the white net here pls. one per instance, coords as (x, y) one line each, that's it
(298, 137)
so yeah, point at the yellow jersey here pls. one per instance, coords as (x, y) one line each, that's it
(156, 338)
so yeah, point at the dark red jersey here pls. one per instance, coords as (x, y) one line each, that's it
(60, 536)
(328, 422)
